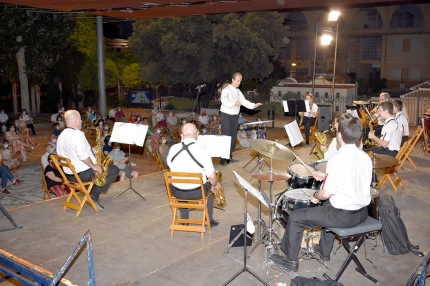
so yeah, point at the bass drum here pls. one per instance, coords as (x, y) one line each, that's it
(292, 200)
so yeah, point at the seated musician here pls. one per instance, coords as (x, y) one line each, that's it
(401, 119)
(391, 138)
(190, 156)
(309, 117)
(72, 144)
(346, 191)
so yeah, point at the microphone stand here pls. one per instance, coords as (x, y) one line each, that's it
(193, 112)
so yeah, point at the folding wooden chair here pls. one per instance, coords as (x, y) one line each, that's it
(158, 162)
(177, 133)
(44, 185)
(414, 139)
(313, 128)
(180, 224)
(237, 145)
(77, 189)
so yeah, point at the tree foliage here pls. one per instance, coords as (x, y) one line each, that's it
(130, 76)
(204, 48)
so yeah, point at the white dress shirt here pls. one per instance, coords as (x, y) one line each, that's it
(203, 119)
(391, 132)
(229, 96)
(313, 108)
(3, 117)
(402, 120)
(184, 163)
(331, 150)
(349, 174)
(72, 144)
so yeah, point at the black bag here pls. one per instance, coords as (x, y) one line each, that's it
(303, 281)
(394, 233)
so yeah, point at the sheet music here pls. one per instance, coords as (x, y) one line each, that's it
(293, 132)
(217, 145)
(353, 112)
(308, 108)
(256, 193)
(129, 133)
(285, 105)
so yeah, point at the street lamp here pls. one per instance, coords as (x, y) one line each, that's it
(326, 40)
(293, 69)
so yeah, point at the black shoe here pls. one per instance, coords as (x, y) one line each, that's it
(233, 160)
(317, 251)
(284, 263)
(223, 162)
(214, 223)
(307, 142)
(96, 201)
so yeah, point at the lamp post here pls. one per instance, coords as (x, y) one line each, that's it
(293, 69)
(334, 16)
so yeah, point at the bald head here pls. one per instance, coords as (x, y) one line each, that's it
(189, 130)
(73, 119)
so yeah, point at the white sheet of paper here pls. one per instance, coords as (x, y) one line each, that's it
(129, 133)
(293, 132)
(217, 145)
(256, 193)
(353, 112)
(285, 105)
(308, 109)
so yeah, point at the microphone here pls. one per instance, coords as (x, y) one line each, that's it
(200, 86)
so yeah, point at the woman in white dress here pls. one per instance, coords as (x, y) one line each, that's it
(244, 140)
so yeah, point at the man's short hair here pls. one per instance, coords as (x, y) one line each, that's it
(398, 103)
(386, 95)
(387, 106)
(236, 74)
(350, 128)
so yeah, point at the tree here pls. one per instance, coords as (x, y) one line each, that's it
(130, 76)
(203, 48)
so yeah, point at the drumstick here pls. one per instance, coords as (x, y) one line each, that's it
(304, 164)
(306, 193)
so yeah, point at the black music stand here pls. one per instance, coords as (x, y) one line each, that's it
(247, 187)
(295, 106)
(131, 134)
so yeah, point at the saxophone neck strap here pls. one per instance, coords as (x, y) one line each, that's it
(185, 147)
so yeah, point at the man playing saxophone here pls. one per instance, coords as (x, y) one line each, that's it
(73, 144)
(190, 156)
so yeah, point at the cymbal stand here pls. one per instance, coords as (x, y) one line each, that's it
(259, 162)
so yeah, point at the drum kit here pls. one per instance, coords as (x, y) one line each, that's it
(300, 186)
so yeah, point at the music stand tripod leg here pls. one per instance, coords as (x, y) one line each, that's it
(259, 231)
(9, 217)
(130, 187)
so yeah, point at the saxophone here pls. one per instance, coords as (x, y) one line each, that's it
(369, 143)
(101, 160)
(302, 114)
(322, 139)
(219, 195)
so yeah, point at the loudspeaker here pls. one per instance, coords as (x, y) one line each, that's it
(234, 230)
(324, 117)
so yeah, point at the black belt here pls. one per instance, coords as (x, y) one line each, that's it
(71, 175)
(352, 212)
(189, 190)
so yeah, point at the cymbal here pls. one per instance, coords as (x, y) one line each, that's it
(271, 176)
(272, 149)
(360, 102)
(375, 102)
(257, 122)
(383, 161)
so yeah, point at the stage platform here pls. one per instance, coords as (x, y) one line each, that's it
(132, 243)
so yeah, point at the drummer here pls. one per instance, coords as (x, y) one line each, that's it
(346, 189)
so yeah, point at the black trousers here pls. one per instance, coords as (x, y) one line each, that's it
(229, 126)
(307, 123)
(31, 126)
(382, 150)
(194, 195)
(88, 175)
(325, 216)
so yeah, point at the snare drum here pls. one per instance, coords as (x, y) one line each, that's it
(319, 166)
(300, 176)
(373, 207)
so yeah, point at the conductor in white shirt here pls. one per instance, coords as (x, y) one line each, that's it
(73, 144)
(231, 100)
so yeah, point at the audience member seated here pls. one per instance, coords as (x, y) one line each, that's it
(119, 114)
(163, 149)
(242, 120)
(244, 140)
(57, 129)
(183, 122)
(254, 134)
(3, 121)
(213, 125)
(149, 133)
(53, 141)
(44, 158)
(132, 118)
(90, 114)
(171, 121)
(53, 179)
(155, 136)
(54, 118)
(28, 120)
(111, 114)
(120, 159)
(160, 119)
(138, 120)
(25, 132)
(96, 119)
(204, 131)
(9, 159)
(203, 119)
(16, 142)
(154, 113)
(60, 120)
(107, 148)
(5, 175)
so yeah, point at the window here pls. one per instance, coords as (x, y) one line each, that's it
(337, 108)
(302, 71)
(279, 93)
(417, 45)
(397, 45)
(396, 73)
(371, 48)
(326, 95)
(337, 95)
(414, 74)
(302, 49)
(317, 94)
(407, 16)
